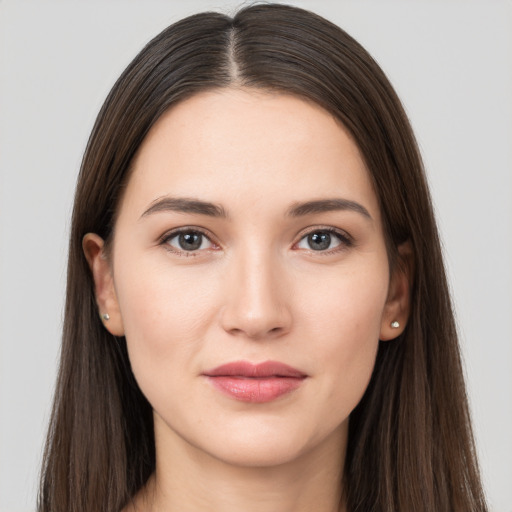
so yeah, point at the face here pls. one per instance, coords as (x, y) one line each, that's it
(250, 277)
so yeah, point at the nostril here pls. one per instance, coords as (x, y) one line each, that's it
(256, 310)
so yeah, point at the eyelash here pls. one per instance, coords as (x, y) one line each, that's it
(345, 240)
(165, 239)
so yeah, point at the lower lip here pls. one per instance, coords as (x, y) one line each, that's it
(255, 390)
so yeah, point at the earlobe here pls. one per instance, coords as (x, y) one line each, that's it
(397, 308)
(106, 298)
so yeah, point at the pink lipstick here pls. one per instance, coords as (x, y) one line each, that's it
(256, 383)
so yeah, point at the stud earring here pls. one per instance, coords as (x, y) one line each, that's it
(395, 325)
(106, 317)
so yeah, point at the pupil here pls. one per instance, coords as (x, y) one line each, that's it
(319, 241)
(190, 241)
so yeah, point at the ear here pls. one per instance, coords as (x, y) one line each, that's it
(101, 270)
(397, 308)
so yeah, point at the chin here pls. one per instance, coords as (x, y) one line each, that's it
(261, 455)
(265, 446)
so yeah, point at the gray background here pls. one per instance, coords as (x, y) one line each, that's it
(451, 63)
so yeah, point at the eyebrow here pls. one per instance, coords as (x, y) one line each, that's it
(327, 205)
(196, 206)
(185, 205)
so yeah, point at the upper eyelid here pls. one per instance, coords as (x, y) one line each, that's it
(169, 235)
(300, 235)
(186, 229)
(346, 241)
(331, 229)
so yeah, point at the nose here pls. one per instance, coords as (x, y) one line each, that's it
(257, 300)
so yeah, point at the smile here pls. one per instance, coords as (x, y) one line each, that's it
(255, 383)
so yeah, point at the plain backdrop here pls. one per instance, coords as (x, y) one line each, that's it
(451, 63)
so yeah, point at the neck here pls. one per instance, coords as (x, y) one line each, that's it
(186, 479)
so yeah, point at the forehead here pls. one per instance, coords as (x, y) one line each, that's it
(241, 147)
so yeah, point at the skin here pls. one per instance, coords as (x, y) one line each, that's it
(255, 290)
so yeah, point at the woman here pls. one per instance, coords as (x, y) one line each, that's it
(257, 313)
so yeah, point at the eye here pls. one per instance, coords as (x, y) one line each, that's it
(323, 240)
(188, 241)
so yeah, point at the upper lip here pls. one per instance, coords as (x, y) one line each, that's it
(259, 370)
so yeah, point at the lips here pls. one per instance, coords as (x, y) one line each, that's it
(256, 383)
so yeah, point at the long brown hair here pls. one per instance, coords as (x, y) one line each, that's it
(410, 444)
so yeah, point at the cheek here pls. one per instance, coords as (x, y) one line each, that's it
(347, 309)
(345, 324)
(165, 315)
